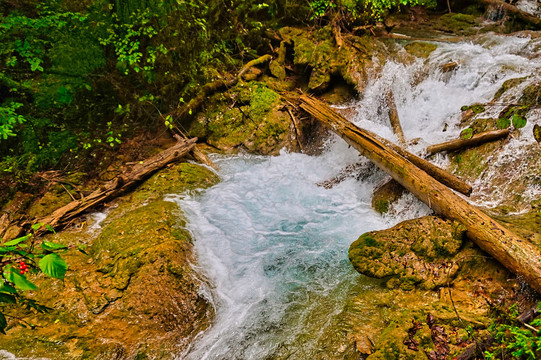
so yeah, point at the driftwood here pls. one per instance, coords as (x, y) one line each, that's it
(513, 252)
(475, 140)
(209, 88)
(394, 119)
(296, 128)
(120, 184)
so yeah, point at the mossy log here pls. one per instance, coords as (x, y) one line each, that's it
(125, 181)
(475, 140)
(209, 88)
(513, 252)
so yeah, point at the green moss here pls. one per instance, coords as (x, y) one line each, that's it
(381, 206)
(262, 101)
(458, 23)
(51, 201)
(420, 49)
(508, 84)
(531, 95)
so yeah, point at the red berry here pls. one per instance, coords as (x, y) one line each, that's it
(22, 272)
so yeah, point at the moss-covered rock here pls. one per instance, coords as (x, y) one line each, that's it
(459, 23)
(133, 294)
(325, 59)
(420, 49)
(257, 124)
(414, 253)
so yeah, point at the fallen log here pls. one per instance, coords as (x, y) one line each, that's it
(125, 181)
(516, 254)
(475, 140)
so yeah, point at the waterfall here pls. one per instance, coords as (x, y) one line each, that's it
(273, 245)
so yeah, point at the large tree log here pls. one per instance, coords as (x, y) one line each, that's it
(516, 254)
(475, 140)
(120, 184)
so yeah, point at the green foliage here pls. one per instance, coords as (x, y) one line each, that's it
(376, 9)
(21, 256)
(518, 121)
(503, 123)
(514, 339)
(9, 119)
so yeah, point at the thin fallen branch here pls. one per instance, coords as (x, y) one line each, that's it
(297, 128)
(125, 181)
(475, 140)
(513, 252)
(394, 119)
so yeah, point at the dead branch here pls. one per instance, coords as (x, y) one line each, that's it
(475, 140)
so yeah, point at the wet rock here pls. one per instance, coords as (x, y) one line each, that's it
(134, 294)
(418, 252)
(385, 195)
(420, 49)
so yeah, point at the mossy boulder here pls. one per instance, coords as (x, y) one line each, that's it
(464, 24)
(318, 51)
(418, 252)
(420, 49)
(133, 293)
(255, 123)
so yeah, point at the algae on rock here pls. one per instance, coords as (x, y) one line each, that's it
(134, 293)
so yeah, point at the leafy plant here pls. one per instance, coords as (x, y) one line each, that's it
(515, 339)
(22, 256)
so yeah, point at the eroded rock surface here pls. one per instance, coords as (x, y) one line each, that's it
(133, 294)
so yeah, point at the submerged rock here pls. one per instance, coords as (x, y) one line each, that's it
(133, 294)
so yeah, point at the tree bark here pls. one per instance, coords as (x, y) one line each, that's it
(475, 140)
(120, 184)
(513, 252)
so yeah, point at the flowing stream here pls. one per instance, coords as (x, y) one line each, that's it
(273, 244)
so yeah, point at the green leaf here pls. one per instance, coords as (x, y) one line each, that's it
(537, 133)
(50, 228)
(36, 226)
(466, 134)
(503, 123)
(519, 121)
(7, 298)
(19, 280)
(8, 289)
(3, 324)
(53, 265)
(50, 246)
(16, 241)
